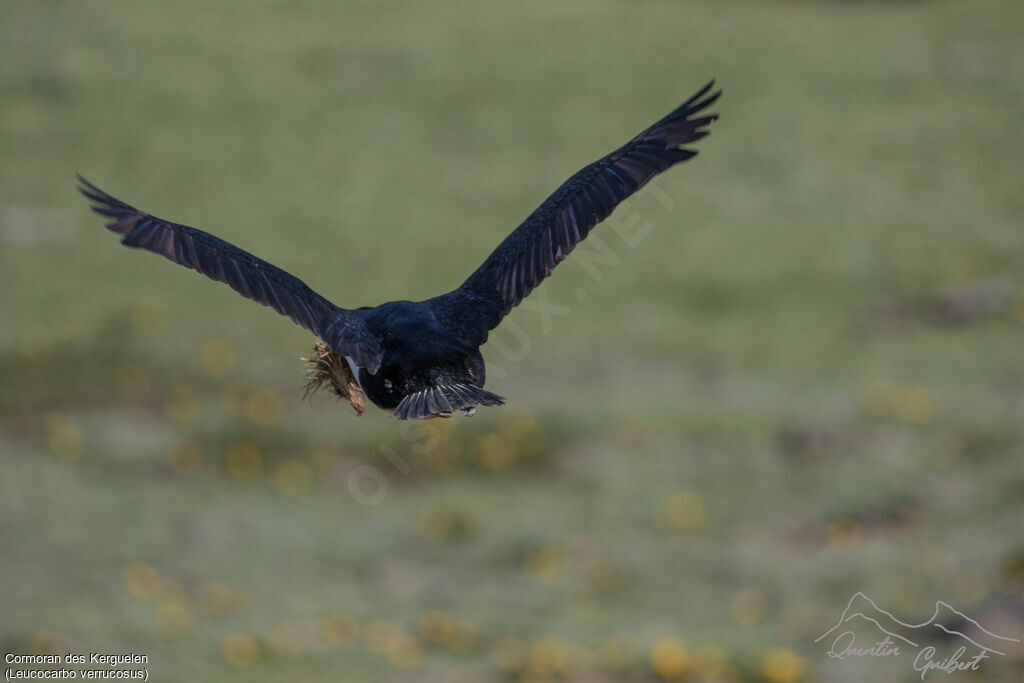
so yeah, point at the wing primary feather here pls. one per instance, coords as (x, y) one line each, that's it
(530, 253)
(251, 277)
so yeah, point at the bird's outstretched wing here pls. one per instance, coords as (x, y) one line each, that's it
(531, 252)
(253, 278)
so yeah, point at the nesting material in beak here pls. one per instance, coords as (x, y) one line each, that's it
(325, 367)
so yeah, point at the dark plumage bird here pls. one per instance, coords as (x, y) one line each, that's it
(421, 358)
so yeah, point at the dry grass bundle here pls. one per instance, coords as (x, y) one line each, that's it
(325, 367)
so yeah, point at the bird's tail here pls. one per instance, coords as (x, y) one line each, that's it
(444, 399)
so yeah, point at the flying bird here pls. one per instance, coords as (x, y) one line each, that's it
(421, 359)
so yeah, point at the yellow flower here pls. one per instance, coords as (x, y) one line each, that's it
(915, 404)
(240, 651)
(782, 666)
(45, 643)
(709, 661)
(378, 634)
(548, 655)
(341, 629)
(263, 407)
(243, 460)
(669, 657)
(686, 511)
(496, 452)
(434, 626)
(404, 651)
(141, 580)
(64, 437)
(544, 563)
(910, 403)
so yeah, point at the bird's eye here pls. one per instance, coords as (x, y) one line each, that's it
(388, 384)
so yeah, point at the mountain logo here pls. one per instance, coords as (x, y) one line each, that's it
(948, 642)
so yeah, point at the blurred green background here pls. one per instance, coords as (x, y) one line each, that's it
(804, 381)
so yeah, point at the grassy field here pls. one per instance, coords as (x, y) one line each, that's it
(804, 381)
